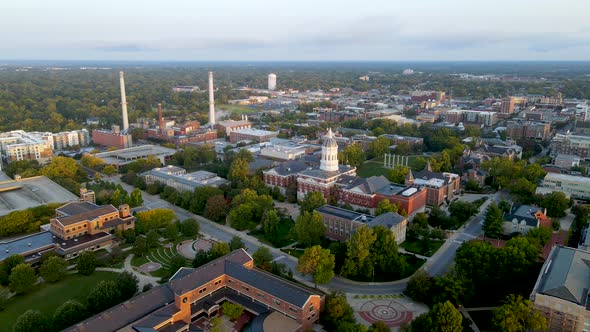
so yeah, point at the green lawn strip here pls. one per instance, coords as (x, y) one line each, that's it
(139, 261)
(369, 169)
(240, 109)
(293, 252)
(47, 297)
(157, 257)
(415, 246)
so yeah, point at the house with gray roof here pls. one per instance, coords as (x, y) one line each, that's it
(561, 290)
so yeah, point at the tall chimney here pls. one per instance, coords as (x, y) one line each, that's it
(160, 119)
(211, 101)
(124, 101)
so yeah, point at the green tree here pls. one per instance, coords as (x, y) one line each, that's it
(104, 295)
(7, 265)
(443, 317)
(518, 314)
(201, 258)
(378, 147)
(556, 203)
(462, 210)
(152, 239)
(493, 221)
(358, 261)
(30, 320)
(176, 263)
(109, 170)
(86, 263)
(353, 155)
(397, 174)
(236, 243)
(219, 249)
(217, 325)
(68, 314)
(231, 310)
(171, 232)
(216, 208)
(317, 262)
(337, 311)
(140, 247)
(262, 257)
(154, 219)
(135, 198)
(238, 171)
(270, 224)
(379, 326)
(312, 201)
(127, 284)
(242, 217)
(420, 287)
(190, 227)
(53, 269)
(384, 252)
(309, 229)
(385, 206)
(22, 278)
(201, 197)
(61, 167)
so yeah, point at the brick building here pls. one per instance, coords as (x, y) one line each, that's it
(193, 294)
(250, 134)
(440, 187)
(231, 125)
(115, 139)
(528, 129)
(341, 223)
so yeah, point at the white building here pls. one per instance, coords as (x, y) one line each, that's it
(272, 81)
(177, 178)
(573, 186)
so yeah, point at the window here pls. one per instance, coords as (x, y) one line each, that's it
(229, 280)
(246, 288)
(260, 295)
(311, 307)
(277, 302)
(292, 309)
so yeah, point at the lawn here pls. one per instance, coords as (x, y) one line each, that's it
(158, 255)
(240, 109)
(47, 297)
(293, 252)
(415, 246)
(371, 168)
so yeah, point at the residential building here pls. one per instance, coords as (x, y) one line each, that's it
(528, 129)
(577, 145)
(185, 88)
(272, 82)
(112, 138)
(341, 223)
(523, 218)
(573, 186)
(193, 294)
(471, 117)
(561, 290)
(177, 178)
(20, 145)
(507, 105)
(250, 134)
(440, 187)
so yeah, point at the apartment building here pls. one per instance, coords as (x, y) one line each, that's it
(528, 129)
(20, 145)
(571, 145)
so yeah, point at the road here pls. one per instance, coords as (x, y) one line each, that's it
(438, 264)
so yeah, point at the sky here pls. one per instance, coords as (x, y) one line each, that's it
(294, 30)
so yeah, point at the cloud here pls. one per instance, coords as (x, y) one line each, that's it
(124, 47)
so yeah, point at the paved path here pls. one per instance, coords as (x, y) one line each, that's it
(142, 278)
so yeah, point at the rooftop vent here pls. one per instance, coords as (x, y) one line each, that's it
(29, 244)
(7, 250)
(75, 240)
(63, 243)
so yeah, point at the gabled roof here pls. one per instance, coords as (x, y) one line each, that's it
(87, 215)
(289, 168)
(369, 185)
(388, 220)
(566, 275)
(73, 208)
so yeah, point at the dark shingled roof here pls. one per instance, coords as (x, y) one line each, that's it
(88, 215)
(566, 275)
(388, 220)
(73, 208)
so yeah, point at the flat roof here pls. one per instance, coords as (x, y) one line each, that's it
(137, 152)
(30, 192)
(25, 244)
(254, 132)
(343, 213)
(566, 177)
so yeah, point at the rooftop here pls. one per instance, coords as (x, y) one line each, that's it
(569, 178)
(254, 132)
(25, 244)
(30, 192)
(91, 214)
(137, 152)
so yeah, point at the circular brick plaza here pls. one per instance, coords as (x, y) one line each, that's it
(392, 313)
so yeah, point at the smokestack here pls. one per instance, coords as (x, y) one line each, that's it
(211, 101)
(160, 119)
(123, 101)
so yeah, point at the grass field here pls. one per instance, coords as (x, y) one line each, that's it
(47, 297)
(416, 247)
(371, 168)
(293, 252)
(240, 109)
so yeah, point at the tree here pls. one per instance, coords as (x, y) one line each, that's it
(140, 246)
(238, 171)
(68, 314)
(312, 201)
(171, 232)
(216, 208)
(493, 220)
(236, 243)
(358, 262)
(201, 196)
(504, 206)
(190, 227)
(518, 314)
(262, 257)
(270, 224)
(152, 239)
(309, 229)
(127, 283)
(104, 295)
(201, 258)
(154, 219)
(556, 203)
(4, 295)
(385, 206)
(462, 210)
(22, 278)
(135, 198)
(317, 262)
(443, 317)
(384, 252)
(217, 325)
(53, 269)
(378, 147)
(61, 167)
(242, 217)
(7, 265)
(379, 326)
(30, 320)
(109, 170)
(231, 310)
(337, 311)
(353, 155)
(219, 249)
(397, 174)
(86, 263)
(420, 287)
(176, 263)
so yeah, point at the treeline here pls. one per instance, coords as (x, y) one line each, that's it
(28, 220)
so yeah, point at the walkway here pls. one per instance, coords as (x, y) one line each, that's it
(142, 278)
